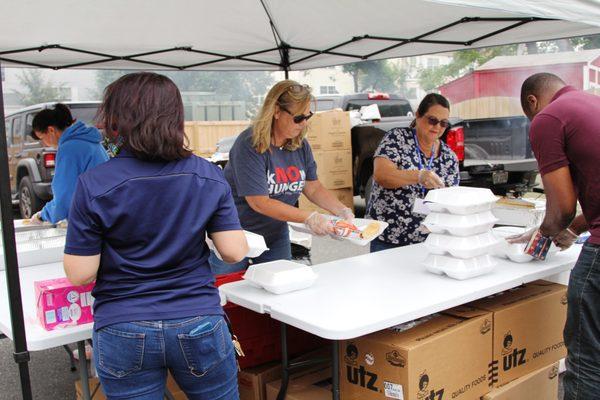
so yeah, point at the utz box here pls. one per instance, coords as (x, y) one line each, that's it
(60, 303)
(334, 168)
(528, 329)
(541, 384)
(442, 357)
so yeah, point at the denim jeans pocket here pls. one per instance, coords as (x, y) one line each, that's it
(204, 347)
(120, 353)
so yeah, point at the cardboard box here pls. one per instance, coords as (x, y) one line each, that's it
(96, 392)
(541, 384)
(345, 196)
(334, 168)
(308, 385)
(528, 329)
(60, 303)
(329, 130)
(252, 381)
(443, 357)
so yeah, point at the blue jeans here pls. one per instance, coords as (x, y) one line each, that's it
(582, 331)
(132, 358)
(379, 245)
(279, 249)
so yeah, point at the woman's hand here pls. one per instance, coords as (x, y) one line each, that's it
(36, 219)
(345, 214)
(318, 224)
(430, 179)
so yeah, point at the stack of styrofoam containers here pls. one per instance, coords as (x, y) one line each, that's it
(461, 240)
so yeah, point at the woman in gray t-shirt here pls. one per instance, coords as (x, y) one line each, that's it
(270, 165)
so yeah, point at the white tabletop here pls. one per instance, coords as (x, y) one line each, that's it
(37, 337)
(360, 295)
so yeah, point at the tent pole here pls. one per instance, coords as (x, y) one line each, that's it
(20, 352)
(285, 59)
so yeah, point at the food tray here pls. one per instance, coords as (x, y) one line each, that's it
(458, 268)
(360, 223)
(462, 247)
(281, 276)
(460, 200)
(460, 225)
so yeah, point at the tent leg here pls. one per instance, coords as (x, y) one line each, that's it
(20, 353)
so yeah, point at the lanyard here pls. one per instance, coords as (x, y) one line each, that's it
(429, 164)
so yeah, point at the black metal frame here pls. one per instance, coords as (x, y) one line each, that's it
(283, 48)
(21, 354)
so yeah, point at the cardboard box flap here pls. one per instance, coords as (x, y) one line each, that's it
(466, 311)
(540, 384)
(424, 332)
(514, 297)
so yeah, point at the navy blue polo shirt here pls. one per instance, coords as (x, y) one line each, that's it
(148, 221)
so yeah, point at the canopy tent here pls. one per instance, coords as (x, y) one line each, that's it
(252, 35)
(271, 34)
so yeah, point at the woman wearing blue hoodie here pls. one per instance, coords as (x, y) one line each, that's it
(79, 148)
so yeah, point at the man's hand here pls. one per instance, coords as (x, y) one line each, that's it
(565, 239)
(36, 219)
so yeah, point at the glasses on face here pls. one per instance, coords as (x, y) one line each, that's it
(297, 118)
(433, 121)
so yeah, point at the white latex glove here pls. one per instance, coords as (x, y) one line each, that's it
(345, 214)
(565, 239)
(430, 179)
(524, 237)
(318, 224)
(36, 219)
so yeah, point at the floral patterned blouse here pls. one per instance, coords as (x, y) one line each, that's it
(394, 206)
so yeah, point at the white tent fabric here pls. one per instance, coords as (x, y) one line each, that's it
(238, 35)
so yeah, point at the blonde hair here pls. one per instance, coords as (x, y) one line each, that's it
(289, 94)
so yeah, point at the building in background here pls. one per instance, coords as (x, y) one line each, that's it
(413, 65)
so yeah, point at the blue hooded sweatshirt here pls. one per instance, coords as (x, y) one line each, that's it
(79, 150)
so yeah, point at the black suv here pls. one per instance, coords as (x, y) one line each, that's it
(31, 165)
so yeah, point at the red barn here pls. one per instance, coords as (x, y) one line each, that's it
(502, 76)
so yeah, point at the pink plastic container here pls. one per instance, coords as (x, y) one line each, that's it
(60, 303)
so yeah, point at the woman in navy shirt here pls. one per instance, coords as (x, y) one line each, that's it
(137, 226)
(270, 165)
(408, 163)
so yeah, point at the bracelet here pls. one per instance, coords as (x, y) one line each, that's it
(572, 233)
(420, 176)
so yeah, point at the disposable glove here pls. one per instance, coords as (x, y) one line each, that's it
(430, 180)
(565, 239)
(345, 214)
(318, 224)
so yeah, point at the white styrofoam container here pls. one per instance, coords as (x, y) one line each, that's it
(462, 246)
(281, 276)
(256, 245)
(520, 216)
(514, 251)
(460, 200)
(458, 268)
(460, 225)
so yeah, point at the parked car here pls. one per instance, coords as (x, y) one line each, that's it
(31, 164)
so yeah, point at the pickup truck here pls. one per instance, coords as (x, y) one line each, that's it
(493, 152)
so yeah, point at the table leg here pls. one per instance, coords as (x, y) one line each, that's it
(335, 371)
(285, 373)
(83, 371)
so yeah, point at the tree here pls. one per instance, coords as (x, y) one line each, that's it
(376, 75)
(226, 85)
(39, 90)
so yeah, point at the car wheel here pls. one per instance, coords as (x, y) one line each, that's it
(29, 203)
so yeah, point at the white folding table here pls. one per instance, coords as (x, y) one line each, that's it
(37, 337)
(356, 296)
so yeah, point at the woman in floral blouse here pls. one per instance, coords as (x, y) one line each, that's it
(408, 163)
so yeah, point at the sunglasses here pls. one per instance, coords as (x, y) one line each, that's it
(297, 118)
(433, 121)
(298, 89)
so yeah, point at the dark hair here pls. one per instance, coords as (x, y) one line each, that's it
(537, 84)
(429, 101)
(59, 117)
(146, 110)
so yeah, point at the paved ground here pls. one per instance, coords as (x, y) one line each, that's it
(50, 370)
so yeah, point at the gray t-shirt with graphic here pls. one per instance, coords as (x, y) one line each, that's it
(277, 173)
